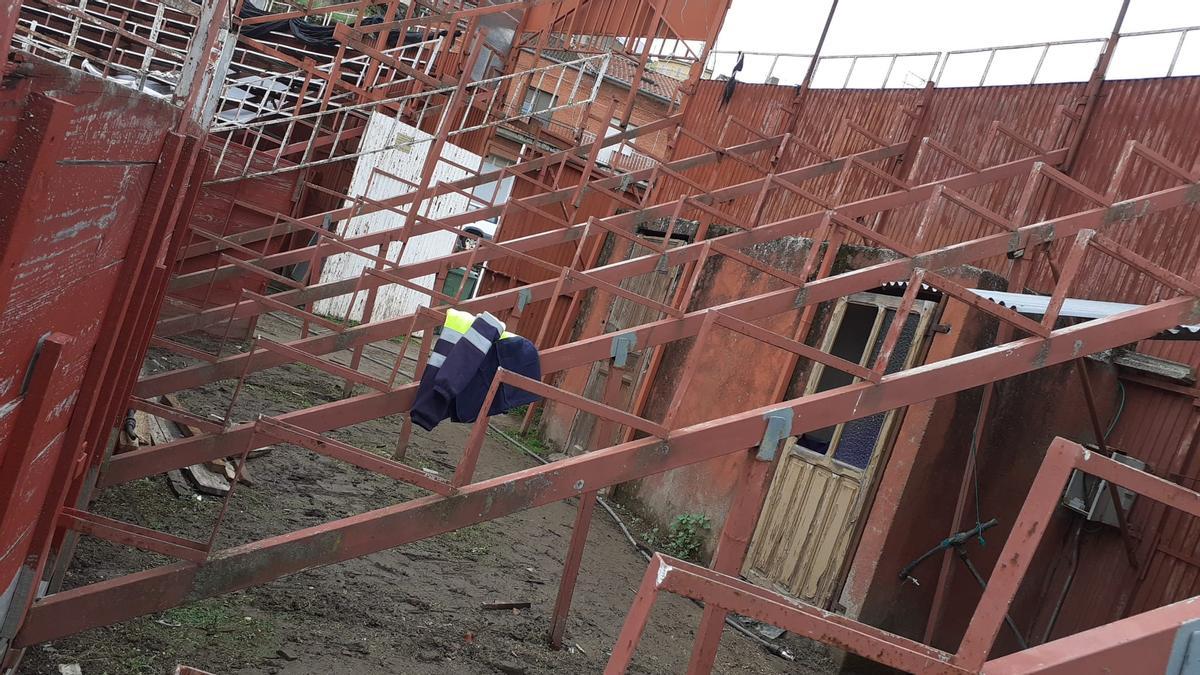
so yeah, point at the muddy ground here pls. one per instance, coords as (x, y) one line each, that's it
(413, 609)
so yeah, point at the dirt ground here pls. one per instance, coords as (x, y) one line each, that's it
(412, 609)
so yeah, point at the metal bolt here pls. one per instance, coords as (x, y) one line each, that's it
(579, 485)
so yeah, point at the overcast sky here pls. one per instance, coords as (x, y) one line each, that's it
(889, 26)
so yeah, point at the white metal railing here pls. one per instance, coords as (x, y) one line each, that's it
(251, 92)
(75, 39)
(83, 34)
(323, 130)
(1033, 63)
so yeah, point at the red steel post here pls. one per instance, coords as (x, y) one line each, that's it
(566, 585)
(732, 546)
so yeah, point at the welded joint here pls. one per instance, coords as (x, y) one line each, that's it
(523, 297)
(621, 346)
(779, 427)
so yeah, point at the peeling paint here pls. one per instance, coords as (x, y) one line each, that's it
(663, 570)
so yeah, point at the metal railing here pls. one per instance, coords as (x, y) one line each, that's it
(146, 50)
(960, 67)
(117, 41)
(251, 93)
(324, 130)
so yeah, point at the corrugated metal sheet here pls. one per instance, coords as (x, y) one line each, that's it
(687, 19)
(1161, 113)
(881, 112)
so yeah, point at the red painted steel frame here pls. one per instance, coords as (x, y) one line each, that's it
(1137, 644)
(464, 500)
(257, 562)
(261, 561)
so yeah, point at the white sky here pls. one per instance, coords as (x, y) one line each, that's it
(888, 26)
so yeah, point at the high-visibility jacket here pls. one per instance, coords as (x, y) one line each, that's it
(460, 369)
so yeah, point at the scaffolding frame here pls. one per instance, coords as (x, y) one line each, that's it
(648, 446)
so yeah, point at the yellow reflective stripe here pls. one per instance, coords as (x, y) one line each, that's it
(458, 320)
(505, 335)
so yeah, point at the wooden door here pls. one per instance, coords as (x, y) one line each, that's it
(624, 313)
(817, 494)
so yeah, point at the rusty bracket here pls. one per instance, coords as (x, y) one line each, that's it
(1185, 652)
(779, 427)
(621, 346)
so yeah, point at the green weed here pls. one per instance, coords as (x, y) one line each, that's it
(684, 538)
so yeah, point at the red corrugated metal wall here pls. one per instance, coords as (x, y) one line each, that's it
(1164, 114)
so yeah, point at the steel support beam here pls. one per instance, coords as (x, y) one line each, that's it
(258, 562)
(157, 459)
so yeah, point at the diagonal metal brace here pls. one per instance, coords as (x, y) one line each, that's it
(779, 427)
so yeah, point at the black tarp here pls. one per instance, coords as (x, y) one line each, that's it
(316, 35)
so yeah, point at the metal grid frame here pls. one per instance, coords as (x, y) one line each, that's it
(464, 500)
(730, 594)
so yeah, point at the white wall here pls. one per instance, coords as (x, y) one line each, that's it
(405, 157)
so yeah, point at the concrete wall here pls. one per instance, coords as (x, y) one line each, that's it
(919, 490)
(742, 370)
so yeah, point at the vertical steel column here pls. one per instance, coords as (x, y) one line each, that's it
(732, 547)
(566, 586)
(798, 101)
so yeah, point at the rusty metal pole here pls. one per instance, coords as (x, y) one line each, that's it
(1094, 86)
(798, 101)
(1085, 108)
(732, 547)
(946, 571)
(566, 587)
(1099, 431)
